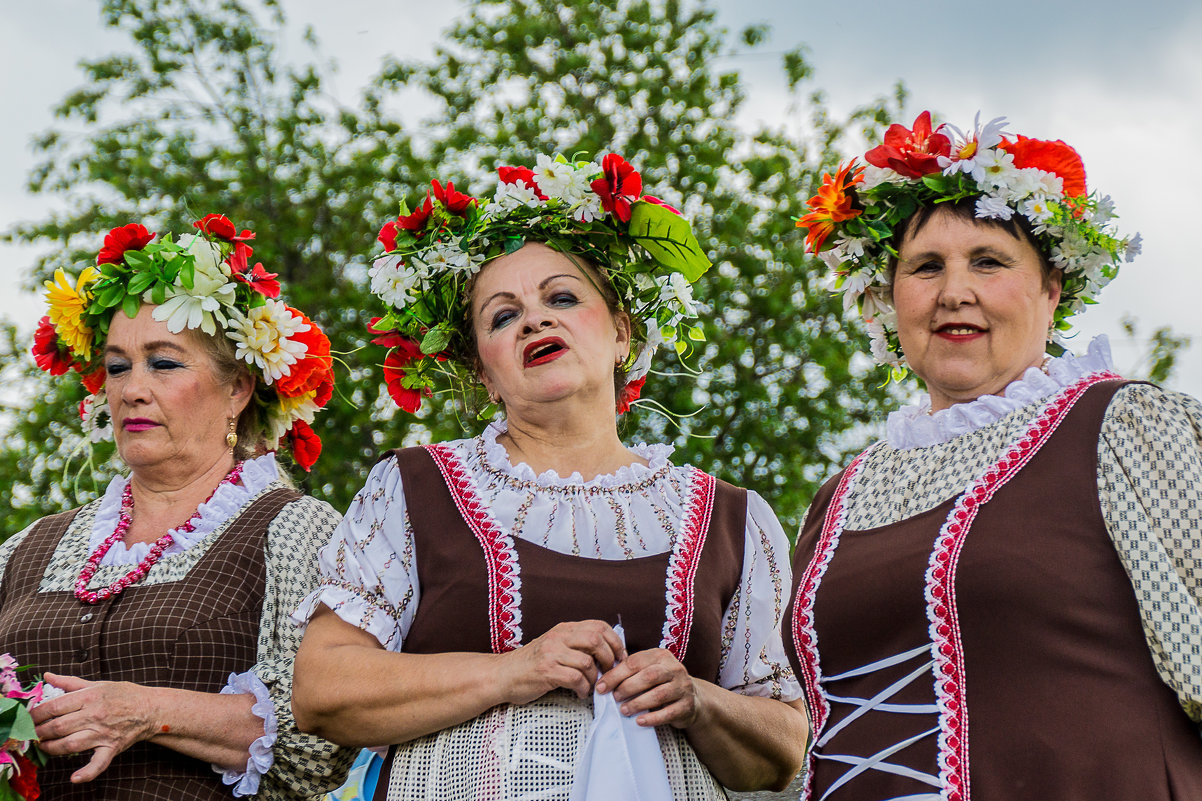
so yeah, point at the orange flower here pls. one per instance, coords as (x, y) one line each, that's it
(831, 205)
(1055, 157)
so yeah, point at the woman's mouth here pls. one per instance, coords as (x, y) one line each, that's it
(959, 332)
(543, 351)
(138, 424)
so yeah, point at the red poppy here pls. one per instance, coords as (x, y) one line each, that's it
(411, 222)
(656, 201)
(912, 153)
(119, 240)
(389, 339)
(403, 353)
(630, 393)
(24, 781)
(219, 225)
(387, 236)
(93, 382)
(519, 176)
(47, 352)
(310, 372)
(831, 205)
(305, 444)
(257, 277)
(325, 391)
(1054, 157)
(451, 200)
(618, 187)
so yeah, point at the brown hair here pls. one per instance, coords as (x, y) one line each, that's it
(227, 368)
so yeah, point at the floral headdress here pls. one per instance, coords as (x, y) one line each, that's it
(641, 245)
(856, 212)
(204, 280)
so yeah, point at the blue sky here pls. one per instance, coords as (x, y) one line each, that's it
(1122, 86)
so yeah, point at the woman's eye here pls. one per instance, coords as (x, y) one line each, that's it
(164, 364)
(988, 262)
(115, 368)
(928, 267)
(501, 318)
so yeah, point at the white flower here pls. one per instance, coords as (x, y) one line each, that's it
(287, 411)
(588, 209)
(880, 345)
(203, 305)
(990, 207)
(875, 176)
(966, 147)
(567, 182)
(448, 256)
(1023, 183)
(264, 339)
(1103, 211)
(1037, 209)
(512, 196)
(853, 287)
(1133, 247)
(393, 281)
(1070, 250)
(642, 365)
(993, 168)
(678, 288)
(97, 419)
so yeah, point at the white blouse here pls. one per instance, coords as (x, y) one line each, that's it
(369, 568)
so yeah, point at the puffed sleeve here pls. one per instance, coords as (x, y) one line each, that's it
(368, 569)
(1150, 489)
(753, 654)
(301, 765)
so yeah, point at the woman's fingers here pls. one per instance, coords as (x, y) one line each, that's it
(102, 757)
(656, 683)
(564, 657)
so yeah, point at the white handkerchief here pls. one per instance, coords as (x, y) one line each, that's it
(620, 758)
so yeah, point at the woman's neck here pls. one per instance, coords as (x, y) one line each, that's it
(587, 444)
(163, 500)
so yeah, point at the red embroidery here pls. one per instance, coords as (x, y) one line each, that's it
(682, 567)
(504, 579)
(942, 612)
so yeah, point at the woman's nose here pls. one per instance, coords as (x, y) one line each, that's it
(957, 288)
(536, 322)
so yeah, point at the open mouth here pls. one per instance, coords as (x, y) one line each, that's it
(959, 330)
(543, 351)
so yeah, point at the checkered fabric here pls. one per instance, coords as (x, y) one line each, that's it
(1150, 491)
(220, 607)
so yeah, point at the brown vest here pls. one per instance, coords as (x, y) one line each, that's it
(188, 634)
(1063, 699)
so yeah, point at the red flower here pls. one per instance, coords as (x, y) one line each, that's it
(219, 225)
(305, 444)
(119, 240)
(389, 339)
(24, 780)
(618, 187)
(47, 352)
(310, 372)
(387, 236)
(257, 278)
(452, 201)
(630, 393)
(93, 382)
(411, 222)
(831, 205)
(325, 391)
(656, 201)
(519, 176)
(1054, 157)
(402, 354)
(912, 153)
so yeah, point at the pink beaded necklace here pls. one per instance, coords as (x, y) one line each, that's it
(156, 551)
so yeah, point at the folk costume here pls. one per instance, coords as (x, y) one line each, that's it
(205, 607)
(453, 548)
(1001, 600)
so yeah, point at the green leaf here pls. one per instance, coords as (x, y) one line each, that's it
(696, 334)
(130, 305)
(669, 238)
(140, 282)
(437, 338)
(158, 295)
(187, 273)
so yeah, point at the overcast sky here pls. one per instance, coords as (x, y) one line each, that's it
(1121, 82)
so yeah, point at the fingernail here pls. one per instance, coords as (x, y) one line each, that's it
(601, 687)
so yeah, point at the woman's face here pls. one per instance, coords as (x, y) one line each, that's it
(972, 309)
(170, 413)
(543, 330)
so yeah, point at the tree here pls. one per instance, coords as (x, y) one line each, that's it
(200, 116)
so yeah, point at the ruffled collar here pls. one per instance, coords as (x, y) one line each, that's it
(913, 427)
(496, 458)
(257, 473)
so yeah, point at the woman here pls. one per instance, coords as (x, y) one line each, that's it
(161, 608)
(1001, 599)
(478, 582)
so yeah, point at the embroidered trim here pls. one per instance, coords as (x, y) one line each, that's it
(942, 612)
(504, 573)
(805, 636)
(682, 567)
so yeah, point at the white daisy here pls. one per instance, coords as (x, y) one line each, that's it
(264, 339)
(993, 208)
(393, 281)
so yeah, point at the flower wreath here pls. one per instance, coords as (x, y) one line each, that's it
(203, 281)
(640, 244)
(860, 207)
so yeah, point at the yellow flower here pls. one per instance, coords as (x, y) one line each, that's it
(67, 304)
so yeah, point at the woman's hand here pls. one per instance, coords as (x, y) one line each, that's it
(103, 717)
(565, 657)
(654, 682)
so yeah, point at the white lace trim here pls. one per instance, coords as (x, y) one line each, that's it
(912, 427)
(497, 458)
(261, 755)
(226, 502)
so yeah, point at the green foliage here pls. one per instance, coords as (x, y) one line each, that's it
(202, 116)
(1159, 358)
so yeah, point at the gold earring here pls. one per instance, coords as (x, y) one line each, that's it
(231, 438)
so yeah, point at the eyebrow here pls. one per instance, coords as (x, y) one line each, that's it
(542, 285)
(981, 250)
(149, 346)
